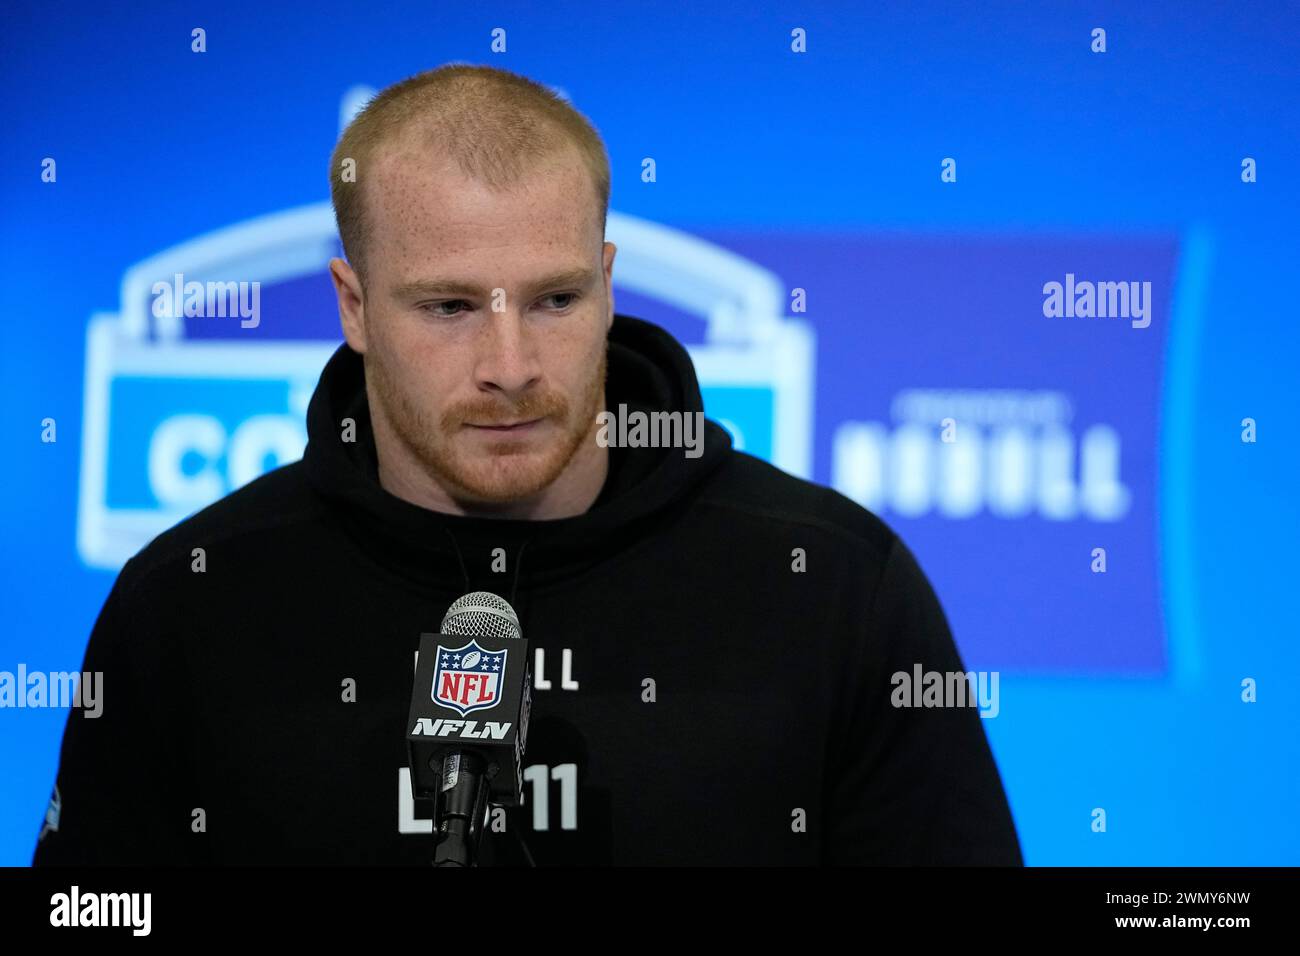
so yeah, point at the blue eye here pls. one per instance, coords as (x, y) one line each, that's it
(433, 308)
(572, 296)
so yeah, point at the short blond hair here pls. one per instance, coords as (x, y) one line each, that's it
(494, 124)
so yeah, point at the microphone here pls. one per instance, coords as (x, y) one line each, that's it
(458, 763)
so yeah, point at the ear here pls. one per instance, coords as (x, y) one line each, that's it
(352, 306)
(610, 251)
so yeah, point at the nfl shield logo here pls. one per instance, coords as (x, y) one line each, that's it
(467, 678)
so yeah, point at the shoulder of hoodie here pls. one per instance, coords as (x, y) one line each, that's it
(759, 492)
(264, 507)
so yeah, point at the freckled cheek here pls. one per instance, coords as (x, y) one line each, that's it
(392, 335)
(561, 365)
(572, 360)
(427, 373)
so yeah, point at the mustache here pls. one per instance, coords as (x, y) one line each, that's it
(490, 412)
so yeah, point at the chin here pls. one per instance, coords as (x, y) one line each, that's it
(507, 478)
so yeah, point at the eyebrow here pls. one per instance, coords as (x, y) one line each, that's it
(582, 276)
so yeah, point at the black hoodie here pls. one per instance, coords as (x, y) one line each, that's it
(718, 642)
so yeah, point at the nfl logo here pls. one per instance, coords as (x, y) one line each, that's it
(467, 678)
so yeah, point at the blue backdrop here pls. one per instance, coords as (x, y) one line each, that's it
(855, 241)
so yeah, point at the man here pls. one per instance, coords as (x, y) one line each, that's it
(717, 639)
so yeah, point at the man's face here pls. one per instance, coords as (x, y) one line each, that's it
(495, 405)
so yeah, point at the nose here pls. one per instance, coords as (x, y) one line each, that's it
(507, 361)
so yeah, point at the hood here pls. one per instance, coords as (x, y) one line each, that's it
(648, 370)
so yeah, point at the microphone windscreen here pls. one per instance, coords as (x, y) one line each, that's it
(482, 614)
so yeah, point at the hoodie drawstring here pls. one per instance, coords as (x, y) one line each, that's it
(519, 566)
(459, 557)
(464, 571)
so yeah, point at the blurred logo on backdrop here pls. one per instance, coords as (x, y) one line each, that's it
(201, 382)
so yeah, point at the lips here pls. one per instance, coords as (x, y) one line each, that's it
(510, 428)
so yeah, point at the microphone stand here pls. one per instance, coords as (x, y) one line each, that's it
(461, 811)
